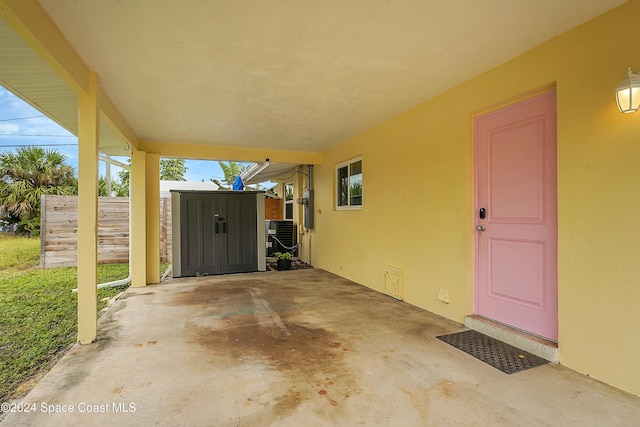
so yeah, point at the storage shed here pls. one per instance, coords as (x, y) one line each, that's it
(218, 232)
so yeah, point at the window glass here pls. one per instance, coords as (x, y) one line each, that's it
(288, 200)
(355, 183)
(343, 186)
(349, 184)
(288, 191)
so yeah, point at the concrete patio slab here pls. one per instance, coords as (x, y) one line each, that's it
(297, 348)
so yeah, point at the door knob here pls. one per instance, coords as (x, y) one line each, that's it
(481, 227)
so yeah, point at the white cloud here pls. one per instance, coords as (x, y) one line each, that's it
(9, 128)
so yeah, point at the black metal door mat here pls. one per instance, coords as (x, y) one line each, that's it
(491, 351)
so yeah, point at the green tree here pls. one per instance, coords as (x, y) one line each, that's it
(173, 170)
(117, 189)
(124, 178)
(231, 170)
(25, 176)
(170, 170)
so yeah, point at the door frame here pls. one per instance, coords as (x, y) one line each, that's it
(473, 261)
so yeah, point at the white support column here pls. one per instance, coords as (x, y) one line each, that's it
(88, 143)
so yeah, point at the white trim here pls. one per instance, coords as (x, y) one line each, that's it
(349, 208)
(288, 202)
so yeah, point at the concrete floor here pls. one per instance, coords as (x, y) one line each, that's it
(297, 348)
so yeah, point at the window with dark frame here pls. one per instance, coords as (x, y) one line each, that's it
(288, 200)
(349, 184)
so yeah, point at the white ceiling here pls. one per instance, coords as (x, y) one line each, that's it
(295, 74)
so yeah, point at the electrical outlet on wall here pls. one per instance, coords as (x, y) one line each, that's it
(444, 296)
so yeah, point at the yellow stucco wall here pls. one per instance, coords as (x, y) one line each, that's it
(418, 199)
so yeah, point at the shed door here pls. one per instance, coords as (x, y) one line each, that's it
(517, 228)
(199, 242)
(238, 233)
(219, 233)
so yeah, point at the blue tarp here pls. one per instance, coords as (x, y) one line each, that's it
(238, 184)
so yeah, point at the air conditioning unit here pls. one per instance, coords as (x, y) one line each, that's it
(280, 235)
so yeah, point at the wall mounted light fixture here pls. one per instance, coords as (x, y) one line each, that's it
(628, 93)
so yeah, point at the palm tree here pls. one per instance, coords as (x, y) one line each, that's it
(27, 175)
(231, 170)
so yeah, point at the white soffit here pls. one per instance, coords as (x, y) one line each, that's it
(267, 172)
(30, 78)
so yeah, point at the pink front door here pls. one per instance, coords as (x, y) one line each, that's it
(516, 216)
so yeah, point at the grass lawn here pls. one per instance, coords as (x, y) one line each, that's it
(38, 311)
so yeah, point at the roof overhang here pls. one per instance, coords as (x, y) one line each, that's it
(260, 172)
(28, 76)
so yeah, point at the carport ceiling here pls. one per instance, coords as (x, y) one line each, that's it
(295, 74)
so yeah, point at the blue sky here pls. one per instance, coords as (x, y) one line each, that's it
(21, 124)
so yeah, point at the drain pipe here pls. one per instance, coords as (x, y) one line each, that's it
(115, 283)
(128, 278)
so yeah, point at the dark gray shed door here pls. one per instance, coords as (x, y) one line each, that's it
(219, 233)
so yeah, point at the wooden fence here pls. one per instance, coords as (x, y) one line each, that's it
(59, 230)
(273, 208)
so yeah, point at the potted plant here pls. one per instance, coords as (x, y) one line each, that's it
(284, 260)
